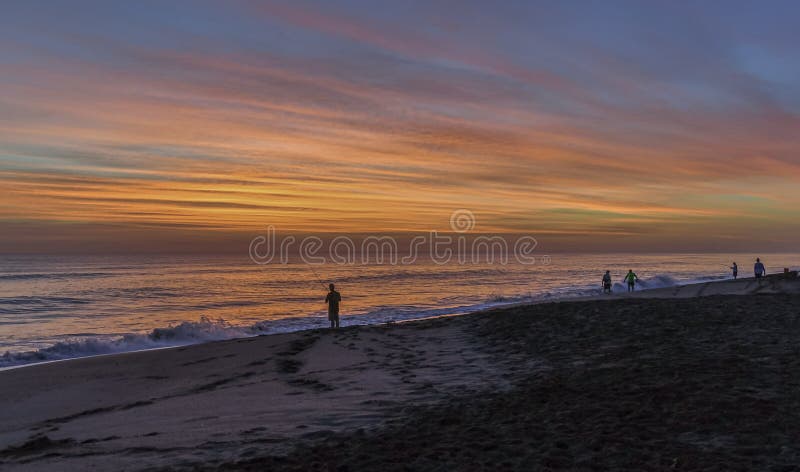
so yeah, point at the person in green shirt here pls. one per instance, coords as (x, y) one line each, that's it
(631, 279)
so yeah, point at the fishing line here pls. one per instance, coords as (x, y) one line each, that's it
(316, 275)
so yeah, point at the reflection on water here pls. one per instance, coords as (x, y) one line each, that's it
(86, 302)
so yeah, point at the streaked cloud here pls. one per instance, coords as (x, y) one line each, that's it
(617, 120)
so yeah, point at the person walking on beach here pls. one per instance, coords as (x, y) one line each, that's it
(333, 299)
(735, 270)
(607, 282)
(759, 269)
(631, 279)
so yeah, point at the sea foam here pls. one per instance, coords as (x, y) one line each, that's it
(216, 329)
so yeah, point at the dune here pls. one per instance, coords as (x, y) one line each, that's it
(690, 378)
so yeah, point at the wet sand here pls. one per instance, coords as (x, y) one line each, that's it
(698, 378)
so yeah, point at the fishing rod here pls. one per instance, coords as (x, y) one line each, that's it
(316, 275)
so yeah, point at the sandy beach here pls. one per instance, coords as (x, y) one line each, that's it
(530, 216)
(699, 377)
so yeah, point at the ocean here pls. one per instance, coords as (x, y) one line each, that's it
(64, 307)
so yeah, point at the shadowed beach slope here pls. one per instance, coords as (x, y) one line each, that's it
(705, 377)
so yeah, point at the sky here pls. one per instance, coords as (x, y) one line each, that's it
(591, 125)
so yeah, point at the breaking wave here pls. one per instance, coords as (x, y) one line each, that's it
(188, 332)
(204, 330)
(208, 329)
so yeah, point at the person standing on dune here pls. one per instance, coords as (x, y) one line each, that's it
(333, 299)
(631, 278)
(735, 270)
(759, 269)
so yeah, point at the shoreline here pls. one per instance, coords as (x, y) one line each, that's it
(251, 403)
(678, 290)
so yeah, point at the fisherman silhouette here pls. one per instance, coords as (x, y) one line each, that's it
(333, 299)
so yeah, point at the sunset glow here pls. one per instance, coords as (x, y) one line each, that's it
(621, 128)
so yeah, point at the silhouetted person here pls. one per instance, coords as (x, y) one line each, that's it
(631, 279)
(735, 270)
(759, 269)
(607, 282)
(333, 299)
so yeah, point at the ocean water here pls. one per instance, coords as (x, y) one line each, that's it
(63, 307)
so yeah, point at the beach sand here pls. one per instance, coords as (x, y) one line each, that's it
(703, 377)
